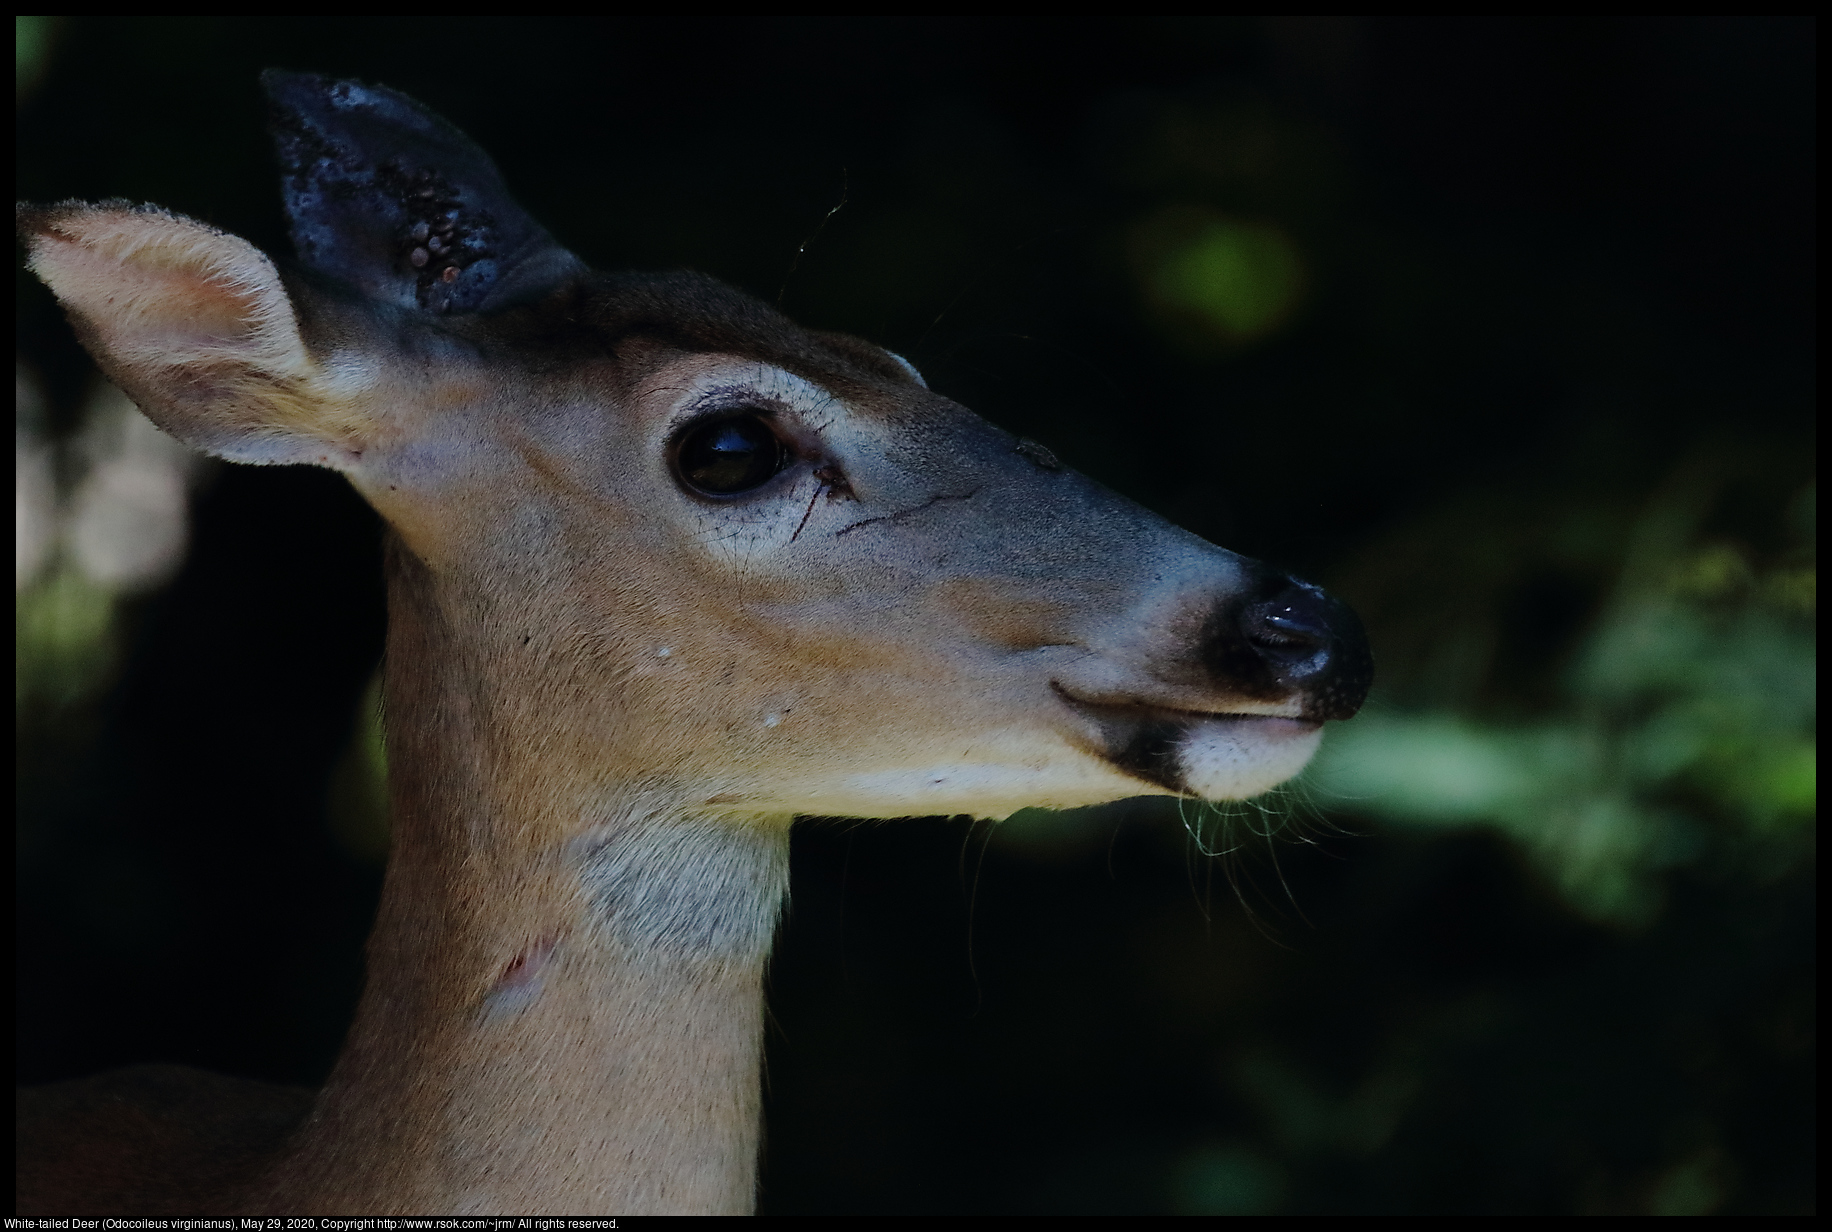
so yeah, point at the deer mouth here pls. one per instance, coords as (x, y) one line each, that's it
(1210, 754)
(1141, 708)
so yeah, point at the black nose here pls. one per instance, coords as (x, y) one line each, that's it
(1289, 637)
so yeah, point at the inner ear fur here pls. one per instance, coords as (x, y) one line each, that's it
(196, 326)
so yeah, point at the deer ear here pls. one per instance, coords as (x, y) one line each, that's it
(196, 326)
(387, 197)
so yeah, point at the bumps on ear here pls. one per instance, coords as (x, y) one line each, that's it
(383, 197)
(386, 197)
(195, 325)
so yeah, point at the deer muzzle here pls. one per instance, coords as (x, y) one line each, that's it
(1237, 705)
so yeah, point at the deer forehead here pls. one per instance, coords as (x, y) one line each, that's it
(588, 452)
(455, 411)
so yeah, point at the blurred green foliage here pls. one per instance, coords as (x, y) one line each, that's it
(357, 802)
(1227, 1180)
(1684, 730)
(64, 639)
(32, 38)
(1239, 281)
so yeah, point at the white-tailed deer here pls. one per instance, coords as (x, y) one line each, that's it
(665, 571)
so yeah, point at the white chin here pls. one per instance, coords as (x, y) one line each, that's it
(1232, 759)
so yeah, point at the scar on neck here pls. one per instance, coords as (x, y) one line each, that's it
(518, 985)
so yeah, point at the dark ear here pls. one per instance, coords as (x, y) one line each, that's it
(385, 196)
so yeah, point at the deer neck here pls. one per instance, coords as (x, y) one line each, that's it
(563, 1012)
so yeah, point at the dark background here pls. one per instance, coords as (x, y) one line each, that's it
(1543, 264)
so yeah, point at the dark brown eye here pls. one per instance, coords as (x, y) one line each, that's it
(730, 455)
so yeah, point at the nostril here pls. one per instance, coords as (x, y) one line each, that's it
(1292, 627)
(1292, 640)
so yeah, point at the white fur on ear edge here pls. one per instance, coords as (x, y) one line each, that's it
(909, 368)
(196, 326)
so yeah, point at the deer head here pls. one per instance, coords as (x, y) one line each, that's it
(665, 571)
(762, 567)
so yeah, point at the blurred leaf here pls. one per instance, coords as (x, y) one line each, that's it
(1235, 282)
(358, 799)
(32, 41)
(1695, 1187)
(1307, 1119)
(1689, 710)
(64, 639)
(1227, 1180)
(1244, 279)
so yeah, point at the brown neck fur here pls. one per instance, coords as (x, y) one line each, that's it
(559, 1016)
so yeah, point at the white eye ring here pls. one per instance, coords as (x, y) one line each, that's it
(909, 368)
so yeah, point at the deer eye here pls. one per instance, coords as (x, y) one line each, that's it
(729, 456)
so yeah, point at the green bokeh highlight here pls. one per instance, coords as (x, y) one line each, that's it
(1242, 279)
(1687, 732)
